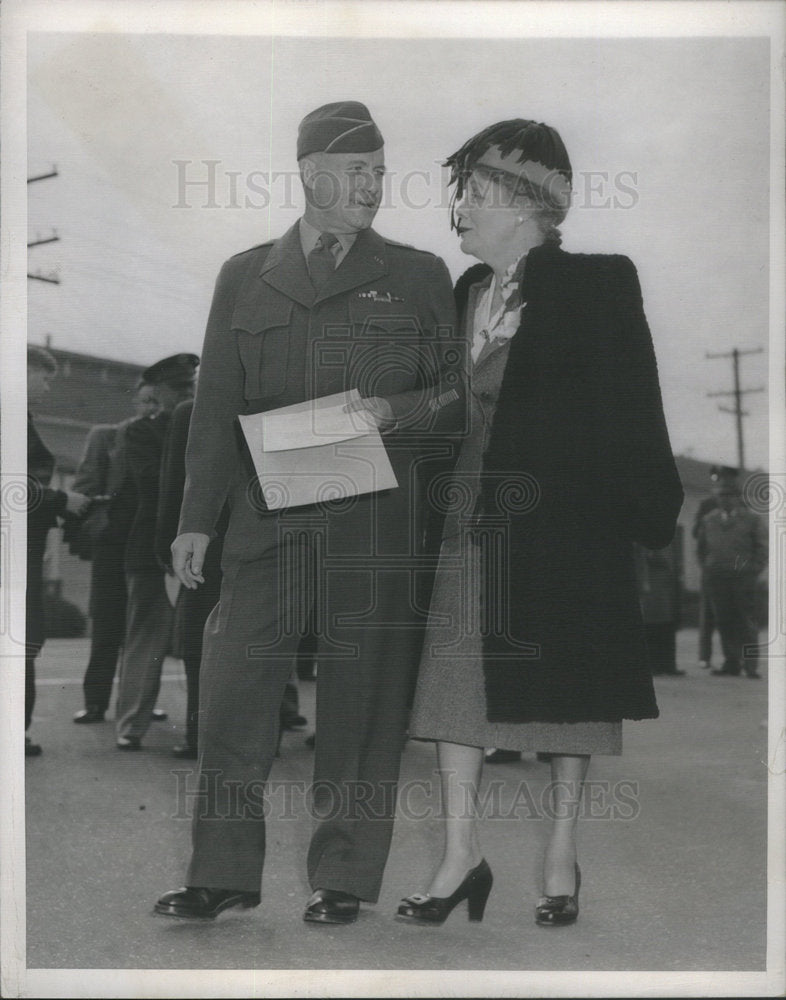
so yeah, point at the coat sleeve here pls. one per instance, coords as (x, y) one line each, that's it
(416, 410)
(172, 481)
(643, 489)
(214, 448)
(92, 475)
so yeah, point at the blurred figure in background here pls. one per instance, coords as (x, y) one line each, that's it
(44, 507)
(659, 574)
(732, 551)
(718, 475)
(100, 475)
(149, 613)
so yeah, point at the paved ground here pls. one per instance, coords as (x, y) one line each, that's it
(673, 855)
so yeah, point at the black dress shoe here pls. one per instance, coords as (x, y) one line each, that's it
(129, 743)
(203, 904)
(90, 714)
(311, 741)
(502, 756)
(331, 906)
(159, 715)
(32, 749)
(185, 752)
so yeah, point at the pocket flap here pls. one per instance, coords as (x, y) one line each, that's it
(255, 317)
(382, 317)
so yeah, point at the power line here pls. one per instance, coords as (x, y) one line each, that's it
(737, 410)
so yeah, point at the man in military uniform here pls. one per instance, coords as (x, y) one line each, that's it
(148, 610)
(331, 306)
(732, 551)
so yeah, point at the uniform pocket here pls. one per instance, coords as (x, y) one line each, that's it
(263, 343)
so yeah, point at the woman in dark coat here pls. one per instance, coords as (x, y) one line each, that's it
(535, 638)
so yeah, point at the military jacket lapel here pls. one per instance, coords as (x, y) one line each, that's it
(285, 269)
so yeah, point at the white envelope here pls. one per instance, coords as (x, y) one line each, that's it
(349, 460)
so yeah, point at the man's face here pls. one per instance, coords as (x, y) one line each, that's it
(170, 395)
(343, 190)
(146, 401)
(38, 380)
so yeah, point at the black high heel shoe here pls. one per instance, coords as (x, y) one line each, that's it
(556, 911)
(424, 909)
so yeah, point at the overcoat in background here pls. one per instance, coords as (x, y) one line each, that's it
(44, 506)
(580, 414)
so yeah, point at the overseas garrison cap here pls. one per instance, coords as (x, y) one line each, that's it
(343, 127)
(178, 369)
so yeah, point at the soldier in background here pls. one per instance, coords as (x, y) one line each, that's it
(732, 551)
(718, 475)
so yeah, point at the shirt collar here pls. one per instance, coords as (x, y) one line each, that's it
(310, 234)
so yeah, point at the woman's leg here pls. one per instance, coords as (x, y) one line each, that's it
(567, 777)
(459, 769)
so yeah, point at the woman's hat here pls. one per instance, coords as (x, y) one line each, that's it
(551, 181)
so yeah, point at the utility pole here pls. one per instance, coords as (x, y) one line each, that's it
(737, 393)
(52, 278)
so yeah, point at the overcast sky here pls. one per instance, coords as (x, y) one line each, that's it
(669, 140)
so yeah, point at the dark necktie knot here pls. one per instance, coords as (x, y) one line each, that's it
(321, 261)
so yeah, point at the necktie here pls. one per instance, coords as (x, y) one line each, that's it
(321, 262)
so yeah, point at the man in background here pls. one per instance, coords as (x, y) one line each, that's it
(718, 475)
(100, 475)
(732, 551)
(149, 613)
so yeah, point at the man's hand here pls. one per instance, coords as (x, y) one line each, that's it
(188, 557)
(76, 503)
(376, 411)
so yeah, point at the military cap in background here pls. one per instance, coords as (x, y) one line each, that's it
(342, 127)
(176, 370)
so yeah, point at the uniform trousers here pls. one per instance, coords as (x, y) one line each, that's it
(149, 617)
(733, 600)
(108, 614)
(353, 569)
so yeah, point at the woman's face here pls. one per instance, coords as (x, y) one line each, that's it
(489, 220)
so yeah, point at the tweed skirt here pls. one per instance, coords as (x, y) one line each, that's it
(450, 699)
